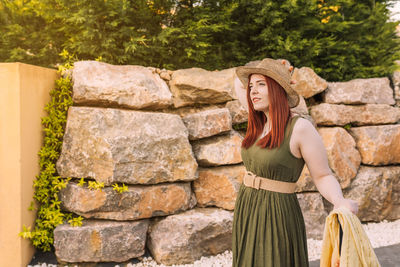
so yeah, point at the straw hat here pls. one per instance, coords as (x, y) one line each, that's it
(274, 69)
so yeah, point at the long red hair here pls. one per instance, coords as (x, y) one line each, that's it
(279, 113)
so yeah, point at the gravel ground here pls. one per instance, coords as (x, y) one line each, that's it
(380, 234)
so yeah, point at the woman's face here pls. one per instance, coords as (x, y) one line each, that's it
(259, 92)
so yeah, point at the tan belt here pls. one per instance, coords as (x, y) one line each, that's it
(257, 182)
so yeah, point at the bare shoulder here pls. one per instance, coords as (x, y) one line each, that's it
(302, 129)
(302, 124)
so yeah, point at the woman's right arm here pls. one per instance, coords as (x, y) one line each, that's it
(241, 93)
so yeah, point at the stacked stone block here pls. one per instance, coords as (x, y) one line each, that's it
(169, 137)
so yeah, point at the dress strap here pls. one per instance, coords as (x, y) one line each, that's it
(291, 126)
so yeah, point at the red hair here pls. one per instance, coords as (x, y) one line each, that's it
(279, 113)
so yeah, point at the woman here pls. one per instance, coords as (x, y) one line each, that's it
(268, 225)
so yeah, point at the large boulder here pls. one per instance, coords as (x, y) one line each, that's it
(378, 145)
(369, 114)
(396, 83)
(314, 214)
(308, 83)
(219, 150)
(133, 147)
(199, 86)
(373, 189)
(301, 108)
(239, 113)
(343, 157)
(188, 110)
(394, 214)
(140, 201)
(101, 84)
(218, 186)
(100, 241)
(360, 91)
(208, 123)
(186, 237)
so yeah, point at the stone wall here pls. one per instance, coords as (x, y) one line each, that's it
(169, 137)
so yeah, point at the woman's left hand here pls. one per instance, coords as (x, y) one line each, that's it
(348, 203)
(353, 207)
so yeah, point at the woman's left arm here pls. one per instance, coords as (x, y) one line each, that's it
(314, 154)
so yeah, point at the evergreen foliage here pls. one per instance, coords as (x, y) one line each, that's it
(24, 36)
(339, 39)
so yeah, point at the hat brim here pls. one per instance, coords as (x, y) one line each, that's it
(243, 73)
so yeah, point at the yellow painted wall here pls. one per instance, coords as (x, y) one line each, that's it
(24, 92)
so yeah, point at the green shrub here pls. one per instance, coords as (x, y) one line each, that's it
(48, 184)
(339, 39)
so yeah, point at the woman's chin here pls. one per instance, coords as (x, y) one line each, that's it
(258, 108)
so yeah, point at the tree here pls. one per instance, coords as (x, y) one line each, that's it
(339, 39)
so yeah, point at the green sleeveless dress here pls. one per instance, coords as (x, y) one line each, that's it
(268, 227)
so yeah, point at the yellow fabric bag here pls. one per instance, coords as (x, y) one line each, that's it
(356, 248)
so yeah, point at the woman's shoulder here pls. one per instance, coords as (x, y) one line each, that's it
(302, 124)
(302, 119)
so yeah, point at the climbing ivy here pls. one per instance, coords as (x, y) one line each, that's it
(48, 184)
